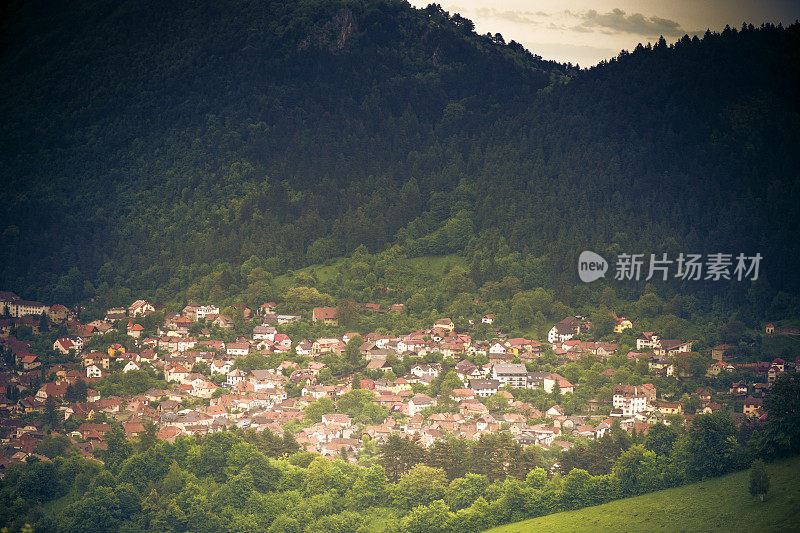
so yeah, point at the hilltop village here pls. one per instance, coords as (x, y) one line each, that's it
(202, 370)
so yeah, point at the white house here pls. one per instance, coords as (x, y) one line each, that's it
(497, 348)
(425, 370)
(264, 333)
(515, 375)
(186, 344)
(630, 399)
(549, 384)
(484, 387)
(410, 345)
(466, 370)
(566, 329)
(419, 402)
(304, 348)
(237, 349)
(220, 367)
(205, 310)
(140, 307)
(64, 345)
(18, 308)
(235, 377)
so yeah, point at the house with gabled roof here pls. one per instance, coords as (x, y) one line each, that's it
(135, 330)
(621, 324)
(752, 406)
(269, 307)
(463, 394)
(56, 389)
(237, 349)
(175, 372)
(738, 389)
(327, 315)
(549, 383)
(773, 373)
(718, 367)
(264, 333)
(419, 402)
(325, 345)
(64, 345)
(140, 307)
(647, 339)
(566, 329)
(518, 345)
(444, 323)
(497, 348)
(426, 370)
(466, 370)
(58, 314)
(484, 387)
(131, 366)
(30, 361)
(660, 364)
(668, 408)
(222, 321)
(672, 347)
(93, 371)
(470, 408)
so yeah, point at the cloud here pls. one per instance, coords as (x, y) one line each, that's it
(618, 22)
(519, 17)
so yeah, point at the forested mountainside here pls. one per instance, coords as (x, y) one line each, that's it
(146, 146)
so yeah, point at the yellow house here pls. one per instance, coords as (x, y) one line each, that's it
(622, 324)
(58, 314)
(102, 360)
(670, 408)
(115, 349)
(399, 385)
(444, 323)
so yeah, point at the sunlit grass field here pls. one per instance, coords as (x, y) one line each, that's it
(721, 504)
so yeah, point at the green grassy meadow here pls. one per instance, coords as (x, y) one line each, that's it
(721, 504)
(431, 266)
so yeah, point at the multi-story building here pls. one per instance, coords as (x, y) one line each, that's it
(515, 375)
(630, 399)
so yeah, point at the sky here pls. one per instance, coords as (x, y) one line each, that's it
(585, 32)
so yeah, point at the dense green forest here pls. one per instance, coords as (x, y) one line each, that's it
(199, 150)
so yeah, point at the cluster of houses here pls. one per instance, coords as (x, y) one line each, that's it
(208, 392)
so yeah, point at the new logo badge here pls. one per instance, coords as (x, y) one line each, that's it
(591, 266)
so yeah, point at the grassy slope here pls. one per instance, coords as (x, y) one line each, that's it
(432, 266)
(56, 506)
(784, 346)
(322, 273)
(722, 504)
